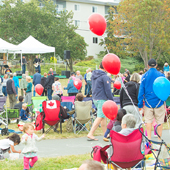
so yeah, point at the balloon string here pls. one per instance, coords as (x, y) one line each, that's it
(105, 45)
(132, 102)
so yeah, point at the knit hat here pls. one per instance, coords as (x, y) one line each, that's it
(56, 97)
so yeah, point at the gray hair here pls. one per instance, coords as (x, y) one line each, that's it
(23, 75)
(135, 77)
(78, 71)
(129, 120)
(14, 74)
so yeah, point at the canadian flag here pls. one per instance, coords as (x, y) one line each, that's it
(51, 104)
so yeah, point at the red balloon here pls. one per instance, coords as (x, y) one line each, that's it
(39, 89)
(77, 83)
(110, 109)
(111, 63)
(97, 24)
(117, 85)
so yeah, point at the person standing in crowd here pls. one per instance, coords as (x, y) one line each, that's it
(154, 107)
(125, 102)
(51, 71)
(23, 84)
(140, 75)
(168, 74)
(36, 80)
(48, 85)
(72, 77)
(79, 76)
(145, 70)
(1, 82)
(127, 75)
(126, 70)
(166, 69)
(43, 80)
(16, 82)
(37, 61)
(88, 77)
(10, 87)
(28, 93)
(5, 79)
(24, 62)
(85, 81)
(101, 92)
(71, 89)
(57, 88)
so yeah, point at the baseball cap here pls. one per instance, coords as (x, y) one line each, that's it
(152, 62)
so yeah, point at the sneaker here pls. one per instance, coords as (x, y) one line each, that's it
(106, 140)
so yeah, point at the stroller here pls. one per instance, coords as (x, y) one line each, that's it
(160, 150)
(3, 119)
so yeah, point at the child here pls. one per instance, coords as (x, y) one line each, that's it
(28, 93)
(23, 113)
(9, 143)
(112, 122)
(57, 88)
(30, 150)
(23, 84)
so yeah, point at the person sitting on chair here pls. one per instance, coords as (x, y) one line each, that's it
(128, 126)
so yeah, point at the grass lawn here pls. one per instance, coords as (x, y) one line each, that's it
(57, 163)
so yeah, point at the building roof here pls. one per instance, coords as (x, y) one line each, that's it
(95, 2)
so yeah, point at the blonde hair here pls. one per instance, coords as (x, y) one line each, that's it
(24, 105)
(26, 126)
(28, 77)
(45, 74)
(135, 77)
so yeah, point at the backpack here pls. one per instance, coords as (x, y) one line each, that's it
(39, 121)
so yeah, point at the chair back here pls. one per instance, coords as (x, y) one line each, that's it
(126, 149)
(68, 105)
(51, 110)
(68, 99)
(88, 99)
(2, 102)
(37, 101)
(82, 110)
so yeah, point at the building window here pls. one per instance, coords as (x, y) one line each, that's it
(94, 9)
(77, 7)
(77, 23)
(95, 40)
(59, 8)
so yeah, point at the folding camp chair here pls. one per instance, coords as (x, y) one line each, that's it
(3, 116)
(160, 151)
(37, 103)
(167, 110)
(68, 99)
(52, 114)
(82, 116)
(126, 149)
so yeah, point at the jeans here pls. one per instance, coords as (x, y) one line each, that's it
(85, 91)
(4, 90)
(88, 86)
(16, 89)
(34, 91)
(38, 68)
(23, 68)
(49, 94)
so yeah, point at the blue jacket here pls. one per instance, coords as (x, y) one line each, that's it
(101, 87)
(16, 81)
(85, 77)
(146, 92)
(36, 79)
(71, 88)
(23, 115)
(166, 68)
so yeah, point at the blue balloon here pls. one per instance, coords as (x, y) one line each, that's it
(161, 88)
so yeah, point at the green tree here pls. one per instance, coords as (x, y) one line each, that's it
(18, 20)
(145, 24)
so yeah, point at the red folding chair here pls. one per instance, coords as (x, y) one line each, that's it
(52, 114)
(68, 99)
(126, 149)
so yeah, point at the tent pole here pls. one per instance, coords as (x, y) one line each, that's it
(21, 61)
(54, 62)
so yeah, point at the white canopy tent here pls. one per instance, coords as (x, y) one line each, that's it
(33, 46)
(6, 47)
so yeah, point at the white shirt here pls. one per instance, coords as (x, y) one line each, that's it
(6, 143)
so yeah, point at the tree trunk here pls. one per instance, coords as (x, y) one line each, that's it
(30, 66)
(145, 56)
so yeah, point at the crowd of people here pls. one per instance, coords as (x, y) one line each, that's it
(136, 93)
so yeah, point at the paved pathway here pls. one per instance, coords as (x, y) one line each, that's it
(73, 146)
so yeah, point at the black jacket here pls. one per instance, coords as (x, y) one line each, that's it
(133, 89)
(49, 82)
(43, 80)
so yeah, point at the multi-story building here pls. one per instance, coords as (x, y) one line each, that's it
(82, 9)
